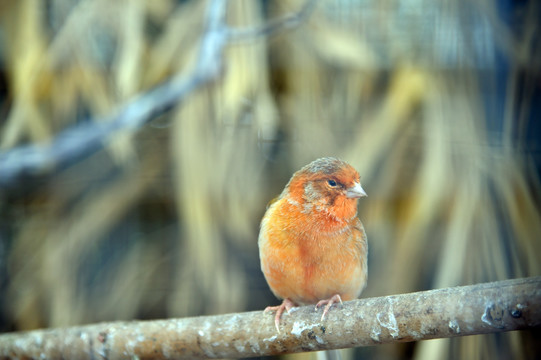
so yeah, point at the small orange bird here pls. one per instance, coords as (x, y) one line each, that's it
(312, 245)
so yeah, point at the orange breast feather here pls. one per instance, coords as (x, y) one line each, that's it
(307, 257)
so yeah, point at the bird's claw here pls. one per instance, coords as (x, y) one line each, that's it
(334, 299)
(286, 305)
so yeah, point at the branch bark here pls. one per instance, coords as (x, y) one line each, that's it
(459, 311)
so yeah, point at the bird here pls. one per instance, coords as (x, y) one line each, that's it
(312, 245)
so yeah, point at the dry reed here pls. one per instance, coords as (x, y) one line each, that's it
(163, 221)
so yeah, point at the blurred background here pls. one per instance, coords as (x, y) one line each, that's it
(436, 104)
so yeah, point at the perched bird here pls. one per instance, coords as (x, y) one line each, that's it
(312, 245)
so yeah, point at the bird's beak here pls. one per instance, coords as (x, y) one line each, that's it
(355, 192)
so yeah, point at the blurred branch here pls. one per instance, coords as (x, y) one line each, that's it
(273, 27)
(459, 311)
(80, 141)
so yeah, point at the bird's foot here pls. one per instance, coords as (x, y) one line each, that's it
(286, 305)
(334, 299)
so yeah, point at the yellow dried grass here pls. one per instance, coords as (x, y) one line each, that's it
(446, 206)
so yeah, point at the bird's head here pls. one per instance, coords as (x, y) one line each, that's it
(329, 185)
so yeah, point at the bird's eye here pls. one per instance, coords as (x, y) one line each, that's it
(331, 183)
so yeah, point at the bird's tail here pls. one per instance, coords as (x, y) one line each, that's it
(329, 355)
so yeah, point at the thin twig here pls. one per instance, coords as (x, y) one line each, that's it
(274, 27)
(459, 311)
(75, 143)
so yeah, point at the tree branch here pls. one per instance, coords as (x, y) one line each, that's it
(274, 27)
(459, 311)
(75, 143)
